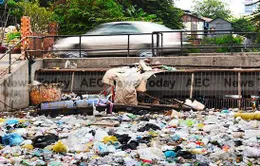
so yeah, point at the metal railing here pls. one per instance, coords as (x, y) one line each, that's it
(186, 42)
(9, 54)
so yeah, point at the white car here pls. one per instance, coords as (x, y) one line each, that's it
(112, 39)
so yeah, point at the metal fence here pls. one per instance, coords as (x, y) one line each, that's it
(8, 57)
(185, 42)
(216, 88)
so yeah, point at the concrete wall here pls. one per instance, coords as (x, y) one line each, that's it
(14, 86)
(247, 60)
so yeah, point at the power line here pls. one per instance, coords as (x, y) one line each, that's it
(253, 3)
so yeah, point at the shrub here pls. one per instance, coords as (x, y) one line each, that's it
(12, 35)
(223, 40)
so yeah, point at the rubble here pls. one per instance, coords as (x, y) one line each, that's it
(174, 138)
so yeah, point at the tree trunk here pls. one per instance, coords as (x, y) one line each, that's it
(4, 23)
(3, 28)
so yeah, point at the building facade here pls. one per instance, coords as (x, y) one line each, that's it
(193, 23)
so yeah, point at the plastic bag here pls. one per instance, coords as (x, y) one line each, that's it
(59, 147)
(11, 122)
(170, 154)
(100, 148)
(12, 139)
(109, 139)
(100, 135)
(28, 146)
(151, 153)
(252, 152)
(45, 140)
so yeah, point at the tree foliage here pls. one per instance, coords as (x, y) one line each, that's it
(255, 18)
(8, 11)
(163, 9)
(211, 9)
(79, 16)
(224, 41)
(242, 25)
(39, 15)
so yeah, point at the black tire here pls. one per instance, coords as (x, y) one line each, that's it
(146, 51)
(75, 55)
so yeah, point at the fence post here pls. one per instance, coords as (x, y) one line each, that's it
(157, 43)
(34, 45)
(128, 45)
(80, 46)
(152, 45)
(231, 44)
(72, 81)
(42, 43)
(181, 43)
(192, 86)
(239, 90)
(161, 52)
(10, 60)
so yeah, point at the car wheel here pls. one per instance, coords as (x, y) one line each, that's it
(146, 52)
(75, 55)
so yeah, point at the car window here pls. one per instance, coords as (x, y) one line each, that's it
(147, 27)
(121, 29)
(99, 29)
(158, 27)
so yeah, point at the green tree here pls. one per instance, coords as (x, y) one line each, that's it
(79, 16)
(163, 9)
(255, 19)
(8, 10)
(242, 25)
(211, 9)
(40, 16)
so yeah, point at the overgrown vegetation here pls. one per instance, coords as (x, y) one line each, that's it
(13, 35)
(211, 9)
(255, 18)
(40, 16)
(223, 40)
(8, 12)
(79, 16)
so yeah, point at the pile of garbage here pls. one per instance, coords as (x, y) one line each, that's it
(133, 139)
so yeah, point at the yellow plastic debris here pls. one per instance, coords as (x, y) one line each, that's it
(28, 146)
(248, 116)
(2, 120)
(59, 147)
(153, 133)
(22, 121)
(111, 139)
(89, 146)
(200, 126)
(95, 157)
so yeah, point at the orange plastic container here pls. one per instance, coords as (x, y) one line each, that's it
(45, 93)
